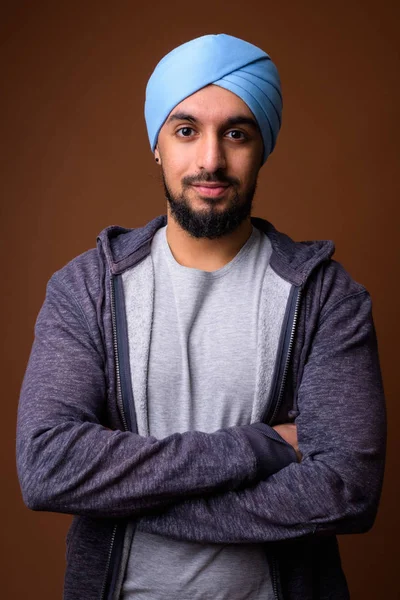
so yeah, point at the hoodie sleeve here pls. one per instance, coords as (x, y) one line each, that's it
(341, 433)
(69, 461)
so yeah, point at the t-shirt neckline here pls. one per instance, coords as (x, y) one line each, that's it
(193, 272)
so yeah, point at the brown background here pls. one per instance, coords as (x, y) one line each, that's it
(75, 158)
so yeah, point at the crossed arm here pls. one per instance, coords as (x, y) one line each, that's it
(68, 461)
(220, 487)
(341, 435)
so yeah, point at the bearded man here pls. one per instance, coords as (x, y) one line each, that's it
(204, 393)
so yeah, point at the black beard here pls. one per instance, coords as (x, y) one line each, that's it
(211, 223)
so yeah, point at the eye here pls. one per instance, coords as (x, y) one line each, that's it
(235, 134)
(184, 132)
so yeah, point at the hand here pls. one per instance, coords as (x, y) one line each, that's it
(288, 431)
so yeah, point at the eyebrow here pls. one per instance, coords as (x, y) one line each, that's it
(241, 120)
(180, 116)
(231, 122)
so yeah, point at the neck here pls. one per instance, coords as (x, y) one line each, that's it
(203, 253)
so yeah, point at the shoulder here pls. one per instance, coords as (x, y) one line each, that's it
(80, 279)
(337, 285)
(333, 296)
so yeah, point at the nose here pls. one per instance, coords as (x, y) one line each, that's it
(210, 153)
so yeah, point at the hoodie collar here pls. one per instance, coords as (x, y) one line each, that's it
(294, 261)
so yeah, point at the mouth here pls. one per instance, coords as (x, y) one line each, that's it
(211, 190)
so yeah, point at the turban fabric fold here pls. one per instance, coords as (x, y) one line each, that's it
(222, 60)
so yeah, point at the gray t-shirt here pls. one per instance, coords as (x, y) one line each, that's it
(201, 376)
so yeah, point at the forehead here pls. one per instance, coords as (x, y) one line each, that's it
(213, 103)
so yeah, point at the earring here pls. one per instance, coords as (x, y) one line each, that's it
(157, 160)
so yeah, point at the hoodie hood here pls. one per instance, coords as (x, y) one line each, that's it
(294, 261)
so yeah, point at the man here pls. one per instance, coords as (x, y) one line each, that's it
(204, 393)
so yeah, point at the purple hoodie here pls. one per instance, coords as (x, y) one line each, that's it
(78, 450)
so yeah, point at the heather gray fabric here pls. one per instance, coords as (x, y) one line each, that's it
(74, 454)
(165, 569)
(203, 353)
(203, 367)
(139, 295)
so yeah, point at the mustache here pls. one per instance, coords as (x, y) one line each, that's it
(206, 177)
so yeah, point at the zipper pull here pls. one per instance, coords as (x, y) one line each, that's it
(293, 414)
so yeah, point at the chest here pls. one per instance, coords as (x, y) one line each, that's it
(197, 364)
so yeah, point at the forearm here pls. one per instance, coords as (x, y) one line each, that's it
(301, 499)
(88, 469)
(69, 465)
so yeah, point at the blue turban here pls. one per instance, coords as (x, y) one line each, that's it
(222, 60)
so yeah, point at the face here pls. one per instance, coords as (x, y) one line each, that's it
(210, 150)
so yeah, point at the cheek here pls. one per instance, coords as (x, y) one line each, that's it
(171, 170)
(245, 171)
(175, 167)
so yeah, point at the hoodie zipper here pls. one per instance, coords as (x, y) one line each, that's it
(273, 561)
(116, 355)
(124, 422)
(108, 564)
(276, 588)
(283, 359)
(288, 357)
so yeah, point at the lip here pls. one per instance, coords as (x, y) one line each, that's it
(212, 190)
